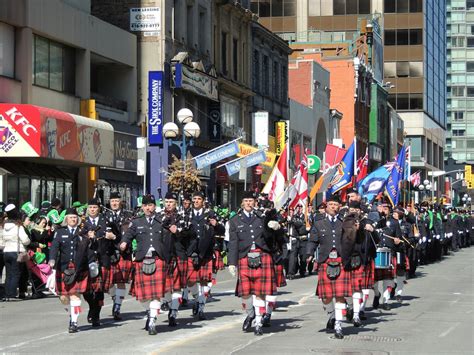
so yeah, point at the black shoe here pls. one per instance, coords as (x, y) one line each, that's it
(258, 330)
(362, 315)
(172, 320)
(195, 309)
(266, 320)
(290, 277)
(386, 307)
(392, 293)
(96, 322)
(398, 298)
(146, 322)
(165, 307)
(152, 330)
(339, 334)
(184, 302)
(22, 296)
(201, 315)
(247, 323)
(350, 314)
(376, 302)
(356, 322)
(73, 327)
(116, 312)
(38, 295)
(330, 324)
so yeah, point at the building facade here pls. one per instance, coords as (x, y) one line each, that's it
(60, 74)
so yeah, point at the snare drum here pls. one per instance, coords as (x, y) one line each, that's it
(382, 260)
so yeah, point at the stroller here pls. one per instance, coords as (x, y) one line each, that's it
(39, 272)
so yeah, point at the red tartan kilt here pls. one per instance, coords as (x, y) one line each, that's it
(280, 276)
(369, 271)
(179, 278)
(151, 287)
(125, 267)
(131, 291)
(116, 274)
(101, 283)
(387, 274)
(203, 274)
(217, 262)
(340, 287)
(79, 286)
(358, 278)
(259, 282)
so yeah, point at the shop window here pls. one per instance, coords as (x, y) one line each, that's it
(12, 189)
(390, 37)
(50, 193)
(416, 36)
(36, 192)
(44, 190)
(53, 65)
(24, 190)
(60, 190)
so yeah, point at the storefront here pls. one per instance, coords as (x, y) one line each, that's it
(44, 152)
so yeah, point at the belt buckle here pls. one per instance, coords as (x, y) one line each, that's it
(333, 254)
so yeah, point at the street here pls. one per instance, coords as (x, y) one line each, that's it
(436, 316)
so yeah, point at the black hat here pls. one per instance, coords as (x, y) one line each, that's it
(94, 202)
(321, 205)
(45, 205)
(56, 202)
(399, 209)
(354, 204)
(71, 211)
(248, 194)
(170, 195)
(334, 198)
(198, 194)
(187, 197)
(115, 194)
(147, 199)
(352, 191)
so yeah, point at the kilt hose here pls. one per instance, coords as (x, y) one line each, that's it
(201, 274)
(260, 281)
(339, 287)
(387, 274)
(217, 262)
(152, 287)
(78, 286)
(280, 276)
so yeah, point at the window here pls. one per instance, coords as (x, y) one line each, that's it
(458, 115)
(289, 8)
(469, 4)
(224, 52)
(470, 67)
(417, 146)
(339, 7)
(264, 8)
(277, 8)
(416, 5)
(457, 91)
(7, 50)
(416, 69)
(284, 85)
(402, 6)
(457, 42)
(390, 70)
(190, 25)
(416, 36)
(470, 91)
(256, 71)
(403, 70)
(230, 113)
(364, 7)
(235, 59)
(53, 65)
(276, 80)
(389, 6)
(266, 76)
(402, 37)
(470, 42)
(459, 132)
(402, 102)
(390, 37)
(416, 101)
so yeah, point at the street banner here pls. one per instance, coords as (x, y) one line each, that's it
(155, 107)
(224, 151)
(248, 161)
(281, 136)
(396, 175)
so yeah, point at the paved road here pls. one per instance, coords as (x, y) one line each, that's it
(435, 317)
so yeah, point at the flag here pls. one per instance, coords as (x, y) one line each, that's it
(396, 175)
(323, 182)
(297, 190)
(333, 155)
(407, 164)
(362, 167)
(415, 179)
(344, 172)
(275, 185)
(373, 184)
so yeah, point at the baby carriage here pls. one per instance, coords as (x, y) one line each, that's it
(39, 272)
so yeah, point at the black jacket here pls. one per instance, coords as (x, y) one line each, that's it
(327, 235)
(66, 248)
(366, 242)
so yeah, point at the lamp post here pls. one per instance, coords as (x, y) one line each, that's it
(425, 187)
(466, 199)
(189, 129)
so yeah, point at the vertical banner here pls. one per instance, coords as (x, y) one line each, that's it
(281, 136)
(155, 107)
(260, 128)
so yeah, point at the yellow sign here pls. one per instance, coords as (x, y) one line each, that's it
(280, 138)
(468, 176)
(246, 149)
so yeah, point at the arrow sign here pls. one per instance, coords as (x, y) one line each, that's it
(314, 164)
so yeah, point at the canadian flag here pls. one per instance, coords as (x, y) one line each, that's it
(275, 185)
(297, 191)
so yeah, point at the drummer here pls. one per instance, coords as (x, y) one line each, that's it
(389, 233)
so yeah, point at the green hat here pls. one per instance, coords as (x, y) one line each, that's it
(82, 209)
(232, 214)
(139, 201)
(76, 204)
(39, 257)
(62, 216)
(53, 216)
(29, 209)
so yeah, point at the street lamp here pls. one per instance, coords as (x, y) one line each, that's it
(425, 187)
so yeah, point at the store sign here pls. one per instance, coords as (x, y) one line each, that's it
(214, 123)
(200, 83)
(245, 149)
(248, 161)
(281, 129)
(314, 164)
(126, 152)
(216, 154)
(146, 20)
(260, 128)
(155, 107)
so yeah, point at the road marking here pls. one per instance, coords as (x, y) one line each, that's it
(32, 340)
(241, 347)
(449, 330)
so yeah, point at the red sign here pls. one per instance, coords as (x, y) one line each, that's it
(258, 170)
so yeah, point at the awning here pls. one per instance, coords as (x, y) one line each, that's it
(34, 131)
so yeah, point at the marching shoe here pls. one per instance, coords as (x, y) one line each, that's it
(195, 308)
(165, 307)
(247, 323)
(147, 321)
(258, 330)
(362, 315)
(73, 327)
(376, 302)
(350, 314)
(201, 315)
(184, 302)
(96, 322)
(172, 320)
(266, 320)
(152, 327)
(356, 322)
(116, 312)
(399, 298)
(89, 317)
(339, 334)
(392, 292)
(386, 307)
(330, 324)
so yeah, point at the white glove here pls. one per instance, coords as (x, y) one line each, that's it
(424, 239)
(273, 225)
(233, 270)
